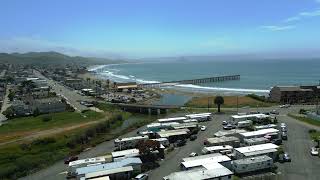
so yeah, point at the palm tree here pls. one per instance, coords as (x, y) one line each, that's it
(108, 83)
(219, 101)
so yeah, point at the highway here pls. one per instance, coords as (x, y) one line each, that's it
(72, 97)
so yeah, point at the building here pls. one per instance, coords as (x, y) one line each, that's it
(191, 126)
(20, 108)
(205, 161)
(200, 117)
(175, 119)
(129, 142)
(253, 117)
(118, 155)
(48, 105)
(232, 132)
(225, 149)
(174, 135)
(258, 133)
(223, 140)
(255, 141)
(74, 83)
(247, 165)
(135, 163)
(215, 172)
(268, 149)
(115, 173)
(267, 126)
(294, 94)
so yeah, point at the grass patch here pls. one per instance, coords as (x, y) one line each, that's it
(305, 119)
(48, 121)
(229, 102)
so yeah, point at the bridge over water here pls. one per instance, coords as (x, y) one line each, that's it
(147, 109)
(192, 81)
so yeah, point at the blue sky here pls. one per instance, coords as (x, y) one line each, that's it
(148, 28)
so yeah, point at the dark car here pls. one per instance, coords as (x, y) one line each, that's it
(193, 137)
(180, 142)
(70, 159)
(277, 141)
(284, 135)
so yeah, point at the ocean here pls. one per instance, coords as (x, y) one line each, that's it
(256, 76)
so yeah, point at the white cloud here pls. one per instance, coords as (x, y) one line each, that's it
(277, 28)
(302, 15)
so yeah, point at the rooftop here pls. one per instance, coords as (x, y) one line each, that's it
(165, 134)
(131, 138)
(128, 152)
(108, 172)
(172, 119)
(253, 160)
(257, 149)
(217, 171)
(259, 132)
(206, 160)
(222, 139)
(108, 166)
(229, 132)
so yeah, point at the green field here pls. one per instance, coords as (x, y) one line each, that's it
(56, 120)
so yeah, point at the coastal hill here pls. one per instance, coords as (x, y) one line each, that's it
(52, 58)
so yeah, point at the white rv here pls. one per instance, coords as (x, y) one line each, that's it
(252, 164)
(217, 149)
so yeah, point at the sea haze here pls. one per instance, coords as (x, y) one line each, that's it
(256, 76)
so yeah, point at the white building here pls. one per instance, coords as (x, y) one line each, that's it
(256, 150)
(175, 119)
(173, 135)
(118, 155)
(252, 164)
(258, 133)
(255, 141)
(217, 149)
(216, 171)
(232, 132)
(268, 126)
(253, 117)
(205, 161)
(223, 140)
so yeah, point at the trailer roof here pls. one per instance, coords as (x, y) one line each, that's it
(257, 149)
(204, 161)
(131, 138)
(128, 152)
(250, 115)
(222, 139)
(259, 132)
(215, 148)
(87, 161)
(172, 119)
(229, 132)
(168, 133)
(108, 172)
(216, 170)
(252, 160)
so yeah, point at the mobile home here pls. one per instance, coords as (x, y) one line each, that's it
(217, 149)
(219, 141)
(247, 165)
(268, 149)
(129, 142)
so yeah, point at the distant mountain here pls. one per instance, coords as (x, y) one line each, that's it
(52, 58)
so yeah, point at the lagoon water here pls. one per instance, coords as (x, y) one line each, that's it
(256, 76)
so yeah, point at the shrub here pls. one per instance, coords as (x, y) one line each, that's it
(312, 131)
(256, 97)
(46, 118)
(302, 111)
(44, 141)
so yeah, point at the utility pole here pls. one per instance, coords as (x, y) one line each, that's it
(237, 104)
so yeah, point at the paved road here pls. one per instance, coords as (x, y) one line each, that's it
(70, 95)
(303, 165)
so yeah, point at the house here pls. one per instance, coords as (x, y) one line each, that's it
(173, 135)
(111, 168)
(255, 141)
(220, 141)
(205, 161)
(20, 108)
(74, 83)
(225, 149)
(48, 105)
(215, 172)
(118, 155)
(268, 149)
(294, 94)
(258, 133)
(252, 164)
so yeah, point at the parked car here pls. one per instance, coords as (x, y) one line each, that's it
(314, 151)
(228, 127)
(193, 154)
(286, 157)
(203, 128)
(141, 177)
(69, 159)
(277, 141)
(193, 137)
(284, 135)
(180, 142)
(274, 112)
(224, 123)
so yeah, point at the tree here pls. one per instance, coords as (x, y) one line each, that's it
(146, 149)
(108, 83)
(219, 101)
(11, 95)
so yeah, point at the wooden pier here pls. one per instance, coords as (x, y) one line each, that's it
(192, 81)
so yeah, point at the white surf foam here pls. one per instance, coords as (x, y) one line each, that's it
(223, 89)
